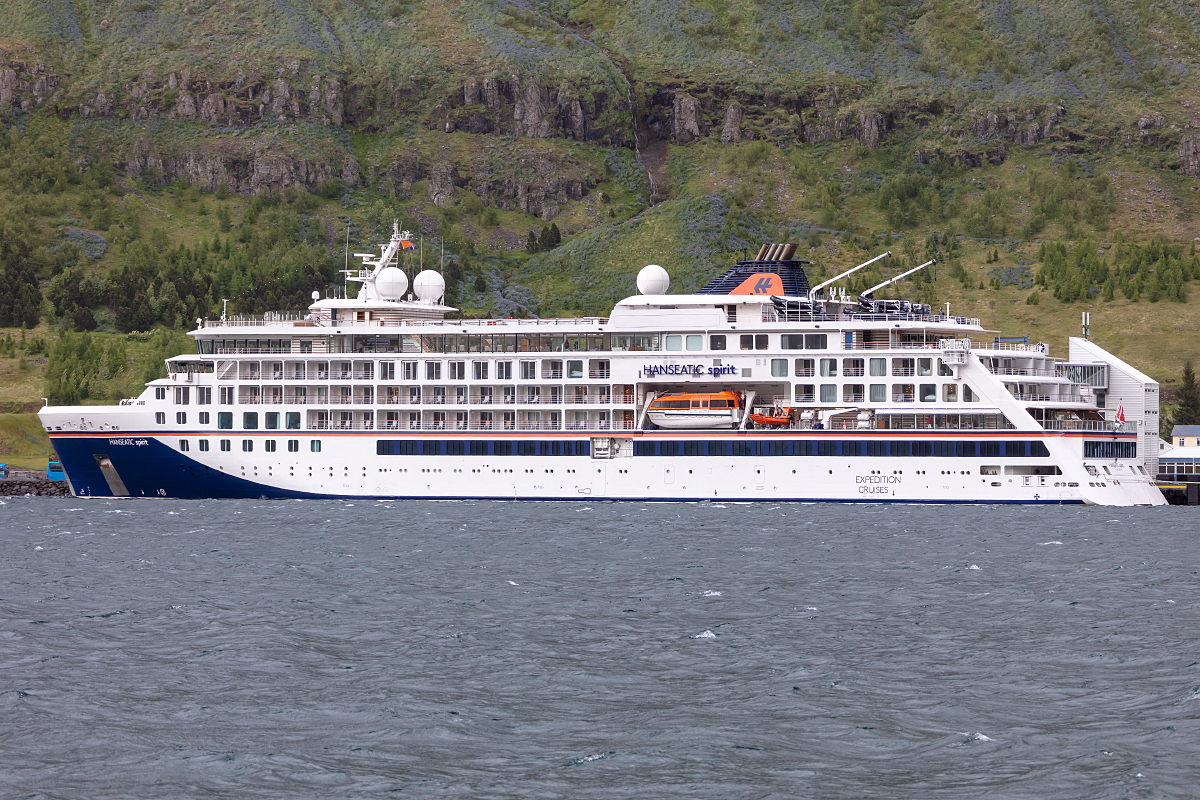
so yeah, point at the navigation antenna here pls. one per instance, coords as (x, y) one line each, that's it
(224, 304)
(1087, 324)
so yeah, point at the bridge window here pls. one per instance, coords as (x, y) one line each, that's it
(695, 341)
(761, 341)
(716, 342)
(674, 342)
(816, 341)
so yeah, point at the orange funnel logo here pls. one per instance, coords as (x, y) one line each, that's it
(761, 283)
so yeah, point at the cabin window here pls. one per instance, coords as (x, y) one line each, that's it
(387, 370)
(181, 418)
(878, 392)
(225, 420)
(779, 367)
(903, 367)
(716, 342)
(271, 420)
(792, 341)
(314, 445)
(924, 367)
(852, 367)
(204, 445)
(804, 393)
(458, 370)
(574, 370)
(878, 367)
(816, 341)
(293, 445)
(181, 395)
(249, 420)
(805, 368)
(829, 368)
(903, 393)
(504, 371)
(928, 391)
(410, 370)
(944, 369)
(203, 415)
(183, 445)
(852, 393)
(968, 395)
(247, 445)
(694, 341)
(746, 341)
(160, 392)
(433, 370)
(479, 370)
(528, 371)
(225, 395)
(225, 446)
(674, 342)
(761, 341)
(204, 395)
(269, 445)
(292, 420)
(949, 393)
(828, 393)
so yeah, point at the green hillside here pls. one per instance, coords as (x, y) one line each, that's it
(159, 158)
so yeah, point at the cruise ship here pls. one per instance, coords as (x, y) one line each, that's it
(757, 387)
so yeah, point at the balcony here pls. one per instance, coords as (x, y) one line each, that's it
(903, 397)
(854, 372)
(602, 374)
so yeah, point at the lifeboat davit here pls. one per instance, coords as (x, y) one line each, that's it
(678, 410)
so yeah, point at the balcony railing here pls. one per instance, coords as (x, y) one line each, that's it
(599, 373)
(854, 372)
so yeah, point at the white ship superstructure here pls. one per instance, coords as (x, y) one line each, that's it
(382, 396)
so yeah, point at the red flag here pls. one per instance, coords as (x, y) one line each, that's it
(1121, 414)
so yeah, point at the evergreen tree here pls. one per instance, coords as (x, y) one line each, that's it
(1187, 400)
(555, 234)
(532, 245)
(20, 294)
(546, 241)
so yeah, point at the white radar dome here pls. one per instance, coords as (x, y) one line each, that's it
(391, 283)
(429, 286)
(653, 279)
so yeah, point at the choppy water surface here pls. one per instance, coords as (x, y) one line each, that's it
(345, 649)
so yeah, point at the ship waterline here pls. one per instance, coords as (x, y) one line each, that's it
(382, 396)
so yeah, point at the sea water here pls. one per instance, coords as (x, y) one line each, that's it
(153, 649)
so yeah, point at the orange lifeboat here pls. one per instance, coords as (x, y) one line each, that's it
(780, 419)
(681, 410)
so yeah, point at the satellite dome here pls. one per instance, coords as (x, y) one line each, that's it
(429, 286)
(391, 283)
(653, 279)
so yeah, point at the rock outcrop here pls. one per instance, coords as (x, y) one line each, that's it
(686, 119)
(209, 166)
(1189, 154)
(731, 130)
(441, 184)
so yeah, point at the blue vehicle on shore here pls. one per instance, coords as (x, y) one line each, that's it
(54, 471)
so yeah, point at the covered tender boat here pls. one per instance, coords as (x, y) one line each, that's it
(691, 410)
